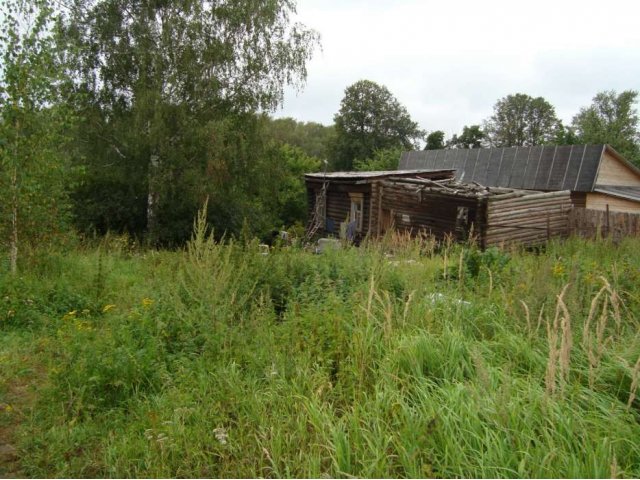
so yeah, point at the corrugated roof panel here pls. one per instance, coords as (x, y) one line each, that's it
(482, 164)
(533, 165)
(404, 159)
(544, 168)
(506, 166)
(629, 193)
(427, 158)
(465, 162)
(495, 162)
(519, 167)
(575, 159)
(449, 157)
(472, 165)
(458, 160)
(559, 168)
(589, 168)
(410, 162)
(533, 168)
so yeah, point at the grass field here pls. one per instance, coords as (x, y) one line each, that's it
(399, 359)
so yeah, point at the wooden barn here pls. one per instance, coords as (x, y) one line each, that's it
(337, 199)
(597, 176)
(434, 202)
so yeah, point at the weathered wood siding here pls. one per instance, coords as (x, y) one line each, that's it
(416, 211)
(579, 199)
(338, 205)
(529, 219)
(613, 172)
(590, 223)
(599, 201)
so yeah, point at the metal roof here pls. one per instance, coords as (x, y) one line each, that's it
(628, 193)
(571, 167)
(374, 174)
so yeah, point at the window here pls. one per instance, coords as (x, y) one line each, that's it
(357, 210)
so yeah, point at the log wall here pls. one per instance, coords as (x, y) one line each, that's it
(415, 211)
(527, 219)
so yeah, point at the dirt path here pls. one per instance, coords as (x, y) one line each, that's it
(16, 400)
(11, 414)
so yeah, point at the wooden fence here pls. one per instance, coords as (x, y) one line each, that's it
(591, 223)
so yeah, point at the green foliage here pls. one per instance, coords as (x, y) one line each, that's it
(386, 159)
(291, 194)
(611, 118)
(521, 120)
(218, 361)
(491, 258)
(472, 136)
(370, 118)
(35, 172)
(435, 140)
(310, 137)
(162, 83)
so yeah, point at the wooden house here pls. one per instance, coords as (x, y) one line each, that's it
(434, 202)
(597, 176)
(340, 198)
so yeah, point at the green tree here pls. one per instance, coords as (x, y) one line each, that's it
(289, 164)
(435, 140)
(35, 176)
(566, 136)
(385, 159)
(370, 118)
(158, 73)
(611, 118)
(311, 137)
(472, 136)
(521, 120)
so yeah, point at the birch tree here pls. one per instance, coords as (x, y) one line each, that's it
(34, 174)
(169, 67)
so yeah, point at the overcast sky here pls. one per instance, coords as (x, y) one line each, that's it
(449, 61)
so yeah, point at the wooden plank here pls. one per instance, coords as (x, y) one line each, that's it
(535, 196)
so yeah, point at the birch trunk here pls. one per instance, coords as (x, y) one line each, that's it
(13, 250)
(153, 197)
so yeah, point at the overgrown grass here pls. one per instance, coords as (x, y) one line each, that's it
(397, 359)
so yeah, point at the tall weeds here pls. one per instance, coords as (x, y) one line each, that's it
(605, 305)
(559, 360)
(218, 361)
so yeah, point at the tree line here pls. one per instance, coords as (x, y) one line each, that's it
(372, 127)
(127, 115)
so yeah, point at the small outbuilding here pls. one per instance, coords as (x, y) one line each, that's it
(350, 199)
(357, 204)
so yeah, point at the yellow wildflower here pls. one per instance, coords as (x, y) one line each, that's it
(70, 315)
(558, 269)
(108, 307)
(147, 302)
